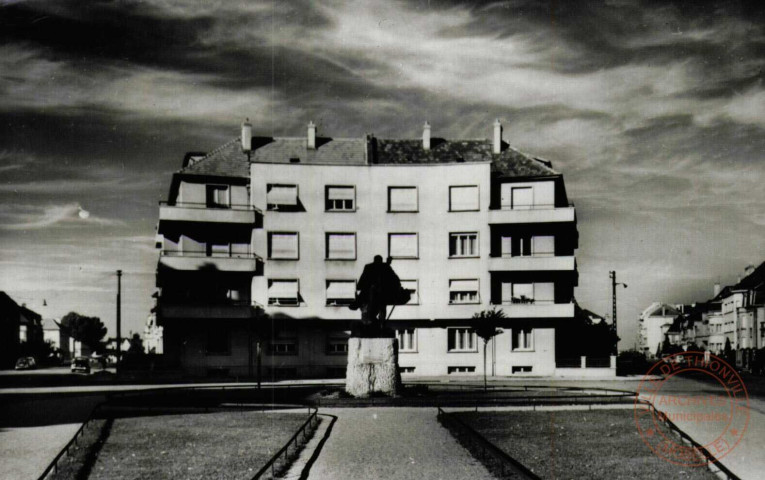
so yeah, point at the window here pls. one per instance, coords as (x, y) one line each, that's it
(283, 292)
(407, 340)
(462, 340)
(544, 292)
(463, 291)
(280, 197)
(543, 246)
(283, 246)
(341, 292)
(524, 246)
(517, 293)
(285, 346)
(412, 286)
(402, 199)
(463, 198)
(218, 342)
(217, 196)
(463, 244)
(406, 369)
(522, 198)
(521, 369)
(523, 338)
(341, 246)
(234, 295)
(506, 246)
(337, 344)
(403, 245)
(22, 333)
(451, 370)
(340, 199)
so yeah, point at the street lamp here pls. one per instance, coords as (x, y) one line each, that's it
(614, 283)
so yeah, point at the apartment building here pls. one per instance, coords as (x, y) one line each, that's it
(284, 226)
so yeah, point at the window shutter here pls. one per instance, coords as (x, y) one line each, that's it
(283, 289)
(544, 245)
(507, 246)
(284, 245)
(463, 285)
(341, 245)
(340, 193)
(544, 292)
(523, 197)
(463, 198)
(340, 289)
(403, 245)
(523, 290)
(402, 199)
(282, 195)
(411, 285)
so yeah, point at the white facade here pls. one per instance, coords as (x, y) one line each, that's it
(464, 238)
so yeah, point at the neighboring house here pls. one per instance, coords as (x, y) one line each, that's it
(654, 323)
(287, 224)
(152, 336)
(57, 337)
(21, 331)
(734, 315)
(743, 314)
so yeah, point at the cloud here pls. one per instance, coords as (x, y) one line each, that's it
(29, 217)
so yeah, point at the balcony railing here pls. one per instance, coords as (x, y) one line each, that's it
(532, 263)
(211, 206)
(530, 308)
(534, 214)
(204, 212)
(195, 260)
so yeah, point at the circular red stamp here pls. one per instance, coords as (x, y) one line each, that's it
(696, 393)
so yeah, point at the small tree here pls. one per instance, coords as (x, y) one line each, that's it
(485, 327)
(88, 330)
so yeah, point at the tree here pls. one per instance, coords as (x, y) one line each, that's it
(88, 330)
(136, 345)
(486, 328)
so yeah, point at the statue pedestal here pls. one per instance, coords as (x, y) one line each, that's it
(372, 366)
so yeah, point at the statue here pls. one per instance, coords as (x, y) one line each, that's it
(378, 287)
(372, 349)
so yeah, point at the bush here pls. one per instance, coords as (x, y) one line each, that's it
(631, 362)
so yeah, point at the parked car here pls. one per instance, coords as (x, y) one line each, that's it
(26, 363)
(81, 364)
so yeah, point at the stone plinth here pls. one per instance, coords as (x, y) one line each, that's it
(372, 366)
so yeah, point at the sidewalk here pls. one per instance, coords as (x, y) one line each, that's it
(26, 451)
(397, 443)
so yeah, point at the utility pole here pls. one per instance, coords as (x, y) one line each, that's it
(614, 283)
(119, 319)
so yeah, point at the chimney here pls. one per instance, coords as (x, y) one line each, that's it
(426, 136)
(246, 135)
(497, 145)
(717, 289)
(311, 135)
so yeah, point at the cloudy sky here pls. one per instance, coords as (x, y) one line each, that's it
(654, 112)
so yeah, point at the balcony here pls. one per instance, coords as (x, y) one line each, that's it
(235, 262)
(531, 263)
(536, 214)
(538, 310)
(217, 310)
(201, 212)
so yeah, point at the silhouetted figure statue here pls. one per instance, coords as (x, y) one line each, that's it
(378, 287)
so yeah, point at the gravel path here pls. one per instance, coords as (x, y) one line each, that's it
(393, 443)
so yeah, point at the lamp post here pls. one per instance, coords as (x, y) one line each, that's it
(614, 283)
(119, 320)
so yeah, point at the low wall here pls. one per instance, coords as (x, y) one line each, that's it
(585, 372)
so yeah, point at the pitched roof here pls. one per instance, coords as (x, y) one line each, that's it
(230, 160)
